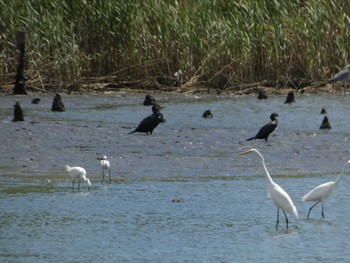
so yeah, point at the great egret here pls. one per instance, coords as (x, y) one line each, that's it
(267, 129)
(276, 193)
(78, 173)
(148, 124)
(105, 165)
(323, 191)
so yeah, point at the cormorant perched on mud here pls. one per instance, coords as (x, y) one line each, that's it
(325, 123)
(57, 104)
(207, 114)
(290, 97)
(148, 124)
(18, 113)
(261, 94)
(149, 100)
(267, 129)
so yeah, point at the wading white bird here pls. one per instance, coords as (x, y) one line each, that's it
(78, 173)
(276, 193)
(323, 191)
(105, 165)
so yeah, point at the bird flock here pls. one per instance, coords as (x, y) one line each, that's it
(278, 195)
(283, 201)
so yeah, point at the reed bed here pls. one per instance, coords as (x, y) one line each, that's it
(244, 40)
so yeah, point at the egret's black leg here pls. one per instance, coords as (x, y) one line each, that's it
(73, 184)
(79, 184)
(103, 175)
(322, 210)
(285, 217)
(109, 174)
(311, 209)
(278, 218)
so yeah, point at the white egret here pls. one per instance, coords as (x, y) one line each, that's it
(78, 173)
(323, 191)
(277, 194)
(105, 165)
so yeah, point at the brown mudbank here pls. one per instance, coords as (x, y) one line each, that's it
(18, 113)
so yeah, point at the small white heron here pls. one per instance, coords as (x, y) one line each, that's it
(342, 76)
(280, 198)
(78, 173)
(105, 165)
(323, 191)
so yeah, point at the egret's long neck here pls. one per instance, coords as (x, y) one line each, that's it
(268, 177)
(336, 182)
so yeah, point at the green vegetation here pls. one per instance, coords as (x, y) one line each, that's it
(246, 40)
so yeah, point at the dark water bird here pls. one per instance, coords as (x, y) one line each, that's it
(35, 101)
(57, 104)
(323, 111)
(207, 114)
(290, 97)
(148, 124)
(267, 129)
(149, 100)
(323, 191)
(261, 94)
(342, 76)
(17, 112)
(325, 123)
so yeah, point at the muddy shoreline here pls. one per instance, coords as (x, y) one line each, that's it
(153, 86)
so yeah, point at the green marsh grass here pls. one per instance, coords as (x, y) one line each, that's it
(248, 41)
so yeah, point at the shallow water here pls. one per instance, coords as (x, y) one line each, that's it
(226, 215)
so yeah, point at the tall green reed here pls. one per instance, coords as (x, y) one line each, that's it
(247, 40)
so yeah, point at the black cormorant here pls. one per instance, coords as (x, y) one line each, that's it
(57, 104)
(148, 124)
(18, 113)
(261, 94)
(207, 114)
(325, 124)
(290, 97)
(267, 129)
(149, 100)
(323, 111)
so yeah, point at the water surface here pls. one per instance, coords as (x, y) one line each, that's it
(226, 215)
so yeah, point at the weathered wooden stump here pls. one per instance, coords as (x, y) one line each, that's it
(325, 123)
(18, 113)
(57, 104)
(20, 81)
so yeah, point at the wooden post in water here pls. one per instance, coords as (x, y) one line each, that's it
(20, 81)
